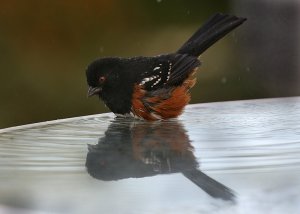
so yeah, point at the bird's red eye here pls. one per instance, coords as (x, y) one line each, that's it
(102, 79)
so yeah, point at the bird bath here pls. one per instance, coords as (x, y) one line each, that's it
(226, 157)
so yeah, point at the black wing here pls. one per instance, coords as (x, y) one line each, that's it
(168, 70)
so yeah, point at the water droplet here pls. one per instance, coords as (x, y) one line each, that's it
(224, 80)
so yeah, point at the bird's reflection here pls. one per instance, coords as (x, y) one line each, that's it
(136, 149)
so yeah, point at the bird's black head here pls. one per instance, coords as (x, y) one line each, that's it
(102, 73)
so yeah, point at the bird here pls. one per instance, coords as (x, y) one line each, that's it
(155, 87)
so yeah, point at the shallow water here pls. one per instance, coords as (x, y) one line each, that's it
(227, 157)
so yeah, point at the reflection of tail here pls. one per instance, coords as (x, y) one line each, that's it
(214, 29)
(209, 185)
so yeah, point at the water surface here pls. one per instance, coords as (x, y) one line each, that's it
(227, 157)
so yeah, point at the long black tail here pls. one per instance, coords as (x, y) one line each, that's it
(214, 29)
(209, 185)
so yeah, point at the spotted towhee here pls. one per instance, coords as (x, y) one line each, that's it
(156, 87)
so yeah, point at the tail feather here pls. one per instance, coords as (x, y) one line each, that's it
(209, 185)
(214, 29)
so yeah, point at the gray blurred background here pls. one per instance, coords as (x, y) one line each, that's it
(45, 47)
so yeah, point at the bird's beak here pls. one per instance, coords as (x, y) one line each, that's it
(93, 91)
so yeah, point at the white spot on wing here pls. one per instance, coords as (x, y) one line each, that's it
(169, 74)
(156, 68)
(157, 81)
(148, 79)
(169, 71)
